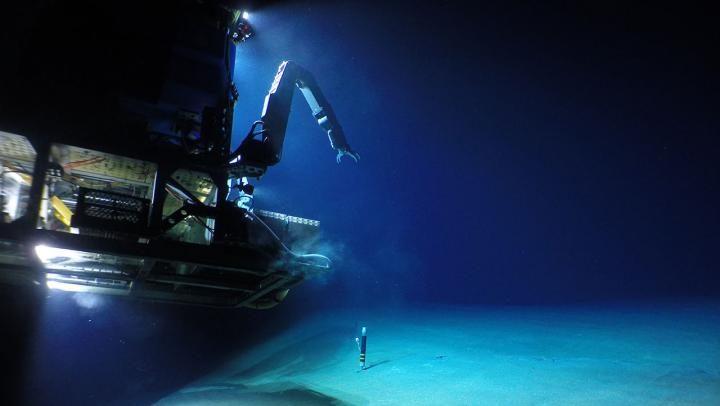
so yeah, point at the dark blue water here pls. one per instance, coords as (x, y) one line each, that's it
(511, 155)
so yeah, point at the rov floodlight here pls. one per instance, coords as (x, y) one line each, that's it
(67, 287)
(49, 254)
(44, 253)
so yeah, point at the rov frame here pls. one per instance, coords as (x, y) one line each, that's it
(231, 271)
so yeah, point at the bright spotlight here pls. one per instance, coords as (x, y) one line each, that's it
(44, 252)
(51, 254)
(245, 15)
(67, 287)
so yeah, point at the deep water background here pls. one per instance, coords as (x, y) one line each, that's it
(510, 154)
(517, 154)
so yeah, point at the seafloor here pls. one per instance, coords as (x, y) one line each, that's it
(613, 355)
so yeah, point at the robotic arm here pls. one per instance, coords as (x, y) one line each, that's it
(254, 155)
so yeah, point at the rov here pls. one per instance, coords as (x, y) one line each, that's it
(122, 181)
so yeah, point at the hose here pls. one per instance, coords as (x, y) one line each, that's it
(295, 255)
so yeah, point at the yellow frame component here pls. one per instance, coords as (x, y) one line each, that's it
(62, 212)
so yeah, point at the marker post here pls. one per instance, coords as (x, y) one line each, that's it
(363, 348)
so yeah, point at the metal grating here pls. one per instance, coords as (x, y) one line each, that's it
(110, 211)
(287, 219)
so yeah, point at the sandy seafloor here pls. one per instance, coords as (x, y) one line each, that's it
(648, 354)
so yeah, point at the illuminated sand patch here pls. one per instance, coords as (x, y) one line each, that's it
(618, 355)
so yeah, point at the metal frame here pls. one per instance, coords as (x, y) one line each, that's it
(232, 275)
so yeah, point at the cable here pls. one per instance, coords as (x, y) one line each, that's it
(289, 251)
(173, 185)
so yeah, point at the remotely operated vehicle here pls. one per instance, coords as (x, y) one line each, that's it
(117, 172)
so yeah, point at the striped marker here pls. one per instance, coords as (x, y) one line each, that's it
(363, 348)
